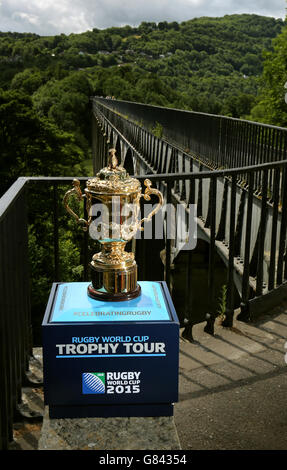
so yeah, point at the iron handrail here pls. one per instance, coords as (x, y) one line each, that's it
(215, 141)
(15, 313)
(195, 113)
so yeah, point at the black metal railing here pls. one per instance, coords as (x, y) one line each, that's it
(15, 278)
(242, 210)
(214, 142)
(218, 141)
(15, 321)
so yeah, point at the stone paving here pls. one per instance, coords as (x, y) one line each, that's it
(232, 388)
(151, 433)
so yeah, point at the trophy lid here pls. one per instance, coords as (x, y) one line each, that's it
(113, 179)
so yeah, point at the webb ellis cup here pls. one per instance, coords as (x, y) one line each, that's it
(117, 196)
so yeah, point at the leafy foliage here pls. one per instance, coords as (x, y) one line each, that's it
(201, 64)
(271, 106)
(31, 145)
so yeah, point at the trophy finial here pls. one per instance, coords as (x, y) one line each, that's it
(113, 161)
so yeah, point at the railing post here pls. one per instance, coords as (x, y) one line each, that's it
(56, 232)
(209, 328)
(244, 306)
(222, 224)
(168, 240)
(228, 321)
(275, 197)
(282, 241)
(262, 228)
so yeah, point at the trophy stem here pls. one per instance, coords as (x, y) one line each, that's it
(114, 273)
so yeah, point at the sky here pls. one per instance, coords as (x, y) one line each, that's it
(50, 17)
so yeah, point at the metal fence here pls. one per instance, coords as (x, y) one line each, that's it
(224, 143)
(226, 212)
(15, 321)
(16, 334)
(218, 141)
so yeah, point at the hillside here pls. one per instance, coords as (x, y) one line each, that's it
(205, 64)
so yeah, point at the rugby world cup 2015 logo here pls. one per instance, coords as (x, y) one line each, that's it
(93, 382)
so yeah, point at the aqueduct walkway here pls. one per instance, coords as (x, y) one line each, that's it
(234, 171)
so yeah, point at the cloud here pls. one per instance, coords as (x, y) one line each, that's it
(48, 17)
(26, 17)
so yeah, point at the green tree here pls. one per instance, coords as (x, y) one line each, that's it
(66, 102)
(238, 106)
(29, 80)
(31, 145)
(271, 107)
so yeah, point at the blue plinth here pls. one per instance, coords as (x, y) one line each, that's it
(110, 358)
(73, 305)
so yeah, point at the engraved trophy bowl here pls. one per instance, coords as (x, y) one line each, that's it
(116, 196)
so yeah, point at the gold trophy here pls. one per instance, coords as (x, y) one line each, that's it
(114, 271)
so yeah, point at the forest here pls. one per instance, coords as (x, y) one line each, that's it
(235, 65)
(213, 65)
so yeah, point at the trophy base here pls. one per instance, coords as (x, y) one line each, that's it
(114, 285)
(113, 297)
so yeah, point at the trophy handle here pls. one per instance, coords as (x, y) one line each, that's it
(146, 196)
(77, 191)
